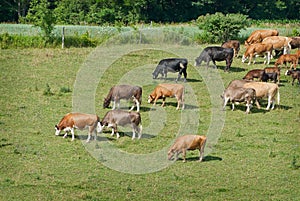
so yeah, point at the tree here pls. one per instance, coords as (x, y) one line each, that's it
(222, 27)
(41, 16)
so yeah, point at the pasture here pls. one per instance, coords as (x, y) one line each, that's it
(257, 156)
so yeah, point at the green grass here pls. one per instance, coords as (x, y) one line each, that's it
(257, 156)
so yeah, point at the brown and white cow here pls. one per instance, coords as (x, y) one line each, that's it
(187, 142)
(162, 91)
(257, 50)
(288, 58)
(124, 91)
(114, 118)
(234, 44)
(258, 35)
(79, 121)
(238, 94)
(265, 89)
(255, 73)
(279, 43)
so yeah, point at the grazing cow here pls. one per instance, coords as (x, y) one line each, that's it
(272, 73)
(256, 50)
(234, 44)
(295, 74)
(171, 65)
(255, 73)
(289, 58)
(127, 92)
(115, 118)
(264, 89)
(214, 54)
(238, 94)
(295, 43)
(162, 91)
(80, 121)
(258, 35)
(187, 142)
(279, 43)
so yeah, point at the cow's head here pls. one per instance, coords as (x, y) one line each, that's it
(170, 154)
(244, 58)
(57, 130)
(150, 98)
(106, 103)
(198, 61)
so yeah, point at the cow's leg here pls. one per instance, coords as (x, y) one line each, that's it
(65, 135)
(114, 105)
(225, 102)
(250, 59)
(257, 104)
(183, 155)
(140, 131)
(73, 134)
(248, 107)
(269, 102)
(164, 100)
(134, 128)
(232, 106)
(201, 150)
(214, 62)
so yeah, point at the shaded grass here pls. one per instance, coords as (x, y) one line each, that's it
(255, 158)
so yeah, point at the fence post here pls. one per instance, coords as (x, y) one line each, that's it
(63, 38)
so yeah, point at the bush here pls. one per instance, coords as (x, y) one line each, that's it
(218, 27)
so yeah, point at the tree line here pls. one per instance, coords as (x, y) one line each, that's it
(101, 12)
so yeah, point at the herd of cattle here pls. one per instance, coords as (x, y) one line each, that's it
(260, 42)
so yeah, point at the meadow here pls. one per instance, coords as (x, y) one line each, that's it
(248, 157)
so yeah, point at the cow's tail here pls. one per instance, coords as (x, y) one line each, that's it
(278, 97)
(182, 98)
(108, 98)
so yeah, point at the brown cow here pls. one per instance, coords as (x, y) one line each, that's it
(234, 44)
(115, 118)
(78, 120)
(295, 74)
(255, 73)
(288, 58)
(295, 42)
(258, 35)
(272, 73)
(256, 50)
(187, 142)
(162, 91)
(238, 94)
(279, 43)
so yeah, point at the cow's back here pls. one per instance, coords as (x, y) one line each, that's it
(262, 89)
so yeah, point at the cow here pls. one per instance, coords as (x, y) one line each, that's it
(295, 43)
(295, 74)
(289, 58)
(258, 35)
(187, 142)
(79, 121)
(255, 73)
(239, 94)
(162, 91)
(264, 89)
(118, 92)
(171, 65)
(279, 43)
(215, 53)
(234, 44)
(256, 50)
(272, 73)
(114, 118)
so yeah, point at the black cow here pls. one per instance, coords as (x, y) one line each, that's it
(214, 54)
(171, 65)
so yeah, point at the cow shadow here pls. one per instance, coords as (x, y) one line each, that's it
(232, 69)
(205, 158)
(186, 106)
(170, 79)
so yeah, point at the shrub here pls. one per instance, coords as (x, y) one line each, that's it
(218, 27)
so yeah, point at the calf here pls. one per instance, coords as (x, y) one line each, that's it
(239, 94)
(187, 142)
(262, 89)
(234, 44)
(255, 73)
(289, 58)
(256, 50)
(272, 73)
(162, 91)
(80, 121)
(115, 118)
(295, 74)
(171, 65)
(214, 54)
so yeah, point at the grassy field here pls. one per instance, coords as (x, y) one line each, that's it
(257, 156)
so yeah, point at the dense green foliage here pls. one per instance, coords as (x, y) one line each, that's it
(131, 11)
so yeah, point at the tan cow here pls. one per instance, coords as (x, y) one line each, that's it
(80, 121)
(279, 43)
(162, 91)
(187, 142)
(288, 58)
(234, 44)
(265, 89)
(258, 35)
(257, 50)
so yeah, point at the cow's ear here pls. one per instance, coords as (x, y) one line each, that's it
(56, 127)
